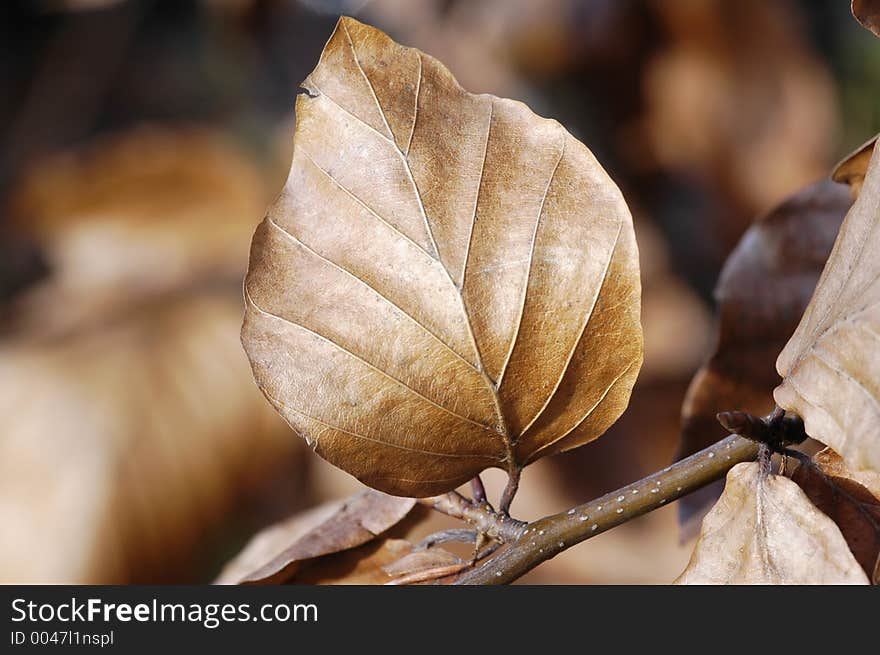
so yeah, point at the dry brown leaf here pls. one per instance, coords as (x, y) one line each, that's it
(424, 566)
(363, 565)
(851, 500)
(851, 170)
(868, 14)
(267, 544)
(764, 530)
(831, 365)
(422, 560)
(275, 555)
(762, 292)
(447, 282)
(330, 531)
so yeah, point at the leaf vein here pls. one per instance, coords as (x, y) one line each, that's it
(416, 109)
(363, 204)
(382, 442)
(522, 305)
(589, 413)
(396, 148)
(388, 300)
(583, 329)
(467, 252)
(846, 375)
(369, 365)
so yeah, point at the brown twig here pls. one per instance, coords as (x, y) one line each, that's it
(459, 535)
(547, 537)
(493, 524)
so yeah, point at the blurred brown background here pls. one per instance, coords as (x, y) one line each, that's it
(140, 143)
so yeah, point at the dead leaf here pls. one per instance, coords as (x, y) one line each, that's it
(851, 500)
(831, 365)
(447, 282)
(363, 565)
(347, 554)
(275, 555)
(762, 292)
(424, 566)
(851, 170)
(868, 14)
(764, 530)
(422, 560)
(267, 544)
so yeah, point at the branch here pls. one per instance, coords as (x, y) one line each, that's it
(547, 537)
(497, 525)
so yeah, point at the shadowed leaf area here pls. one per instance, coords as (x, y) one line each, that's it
(851, 500)
(868, 14)
(852, 169)
(762, 292)
(361, 540)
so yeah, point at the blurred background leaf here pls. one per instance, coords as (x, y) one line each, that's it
(762, 293)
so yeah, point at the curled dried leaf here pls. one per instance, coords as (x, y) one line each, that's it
(447, 283)
(851, 170)
(852, 500)
(762, 292)
(831, 365)
(424, 565)
(868, 14)
(358, 566)
(764, 530)
(264, 546)
(275, 555)
(326, 546)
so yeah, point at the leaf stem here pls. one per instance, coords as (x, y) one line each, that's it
(510, 489)
(547, 537)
